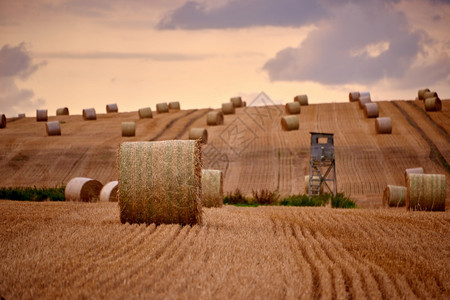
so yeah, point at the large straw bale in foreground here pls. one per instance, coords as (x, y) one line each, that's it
(353, 96)
(371, 110)
(2, 121)
(53, 128)
(433, 104)
(89, 114)
(228, 108)
(109, 192)
(174, 105)
(200, 134)
(425, 192)
(302, 99)
(289, 123)
(128, 128)
(214, 118)
(383, 125)
(421, 93)
(83, 189)
(293, 108)
(62, 111)
(160, 182)
(145, 113)
(41, 115)
(394, 196)
(212, 188)
(112, 108)
(237, 101)
(162, 108)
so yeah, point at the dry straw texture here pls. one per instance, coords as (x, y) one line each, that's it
(214, 118)
(425, 192)
(429, 95)
(353, 96)
(371, 110)
(2, 121)
(293, 108)
(62, 111)
(112, 108)
(199, 134)
(383, 125)
(109, 192)
(433, 104)
(41, 115)
(53, 128)
(128, 128)
(89, 114)
(212, 188)
(160, 182)
(307, 184)
(145, 113)
(237, 101)
(174, 105)
(289, 123)
(228, 108)
(421, 93)
(162, 108)
(363, 100)
(302, 99)
(394, 196)
(83, 189)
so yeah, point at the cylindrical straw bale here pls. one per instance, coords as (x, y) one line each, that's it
(289, 123)
(302, 99)
(371, 110)
(83, 189)
(307, 184)
(433, 104)
(41, 115)
(162, 108)
(212, 188)
(429, 95)
(2, 121)
(365, 94)
(160, 182)
(128, 128)
(383, 125)
(199, 134)
(174, 105)
(145, 113)
(228, 108)
(353, 96)
(21, 116)
(293, 108)
(53, 128)
(394, 196)
(421, 93)
(109, 192)
(363, 101)
(425, 192)
(244, 104)
(62, 111)
(112, 108)
(237, 101)
(214, 118)
(418, 170)
(89, 114)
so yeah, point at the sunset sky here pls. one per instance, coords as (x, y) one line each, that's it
(136, 53)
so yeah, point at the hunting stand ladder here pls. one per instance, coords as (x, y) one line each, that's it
(322, 164)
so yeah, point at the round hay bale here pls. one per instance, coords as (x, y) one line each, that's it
(199, 134)
(108, 192)
(174, 105)
(237, 101)
(425, 192)
(421, 93)
(244, 104)
(53, 128)
(63, 111)
(228, 108)
(429, 95)
(145, 113)
(289, 123)
(89, 114)
(307, 184)
(41, 115)
(212, 188)
(2, 121)
(160, 182)
(302, 99)
(128, 128)
(293, 108)
(418, 170)
(112, 108)
(383, 125)
(21, 116)
(365, 94)
(394, 196)
(353, 96)
(433, 104)
(214, 118)
(371, 110)
(83, 189)
(162, 108)
(363, 101)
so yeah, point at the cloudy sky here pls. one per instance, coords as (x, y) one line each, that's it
(86, 53)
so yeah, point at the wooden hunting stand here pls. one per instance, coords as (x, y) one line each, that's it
(322, 164)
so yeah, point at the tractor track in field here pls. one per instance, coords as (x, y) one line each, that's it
(171, 123)
(430, 120)
(188, 124)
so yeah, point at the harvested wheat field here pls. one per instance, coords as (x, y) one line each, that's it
(81, 250)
